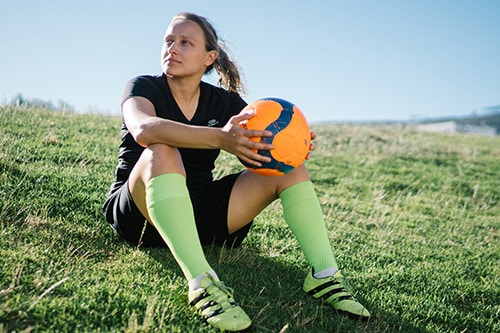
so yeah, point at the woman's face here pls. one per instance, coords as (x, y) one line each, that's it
(184, 51)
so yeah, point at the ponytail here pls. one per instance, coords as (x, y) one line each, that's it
(227, 69)
(229, 75)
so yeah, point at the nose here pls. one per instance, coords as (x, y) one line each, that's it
(172, 48)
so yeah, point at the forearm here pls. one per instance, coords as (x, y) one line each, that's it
(175, 134)
(147, 129)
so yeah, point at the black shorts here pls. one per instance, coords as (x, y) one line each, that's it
(210, 211)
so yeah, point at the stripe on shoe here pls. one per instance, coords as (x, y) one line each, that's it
(198, 298)
(337, 288)
(206, 305)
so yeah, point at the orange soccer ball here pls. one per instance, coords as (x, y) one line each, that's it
(291, 135)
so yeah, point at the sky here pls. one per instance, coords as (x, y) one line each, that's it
(336, 60)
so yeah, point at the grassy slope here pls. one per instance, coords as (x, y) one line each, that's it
(413, 219)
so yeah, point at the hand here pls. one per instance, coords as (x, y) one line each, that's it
(236, 140)
(311, 146)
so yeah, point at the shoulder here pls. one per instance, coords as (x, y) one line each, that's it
(148, 80)
(229, 100)
(147, 86)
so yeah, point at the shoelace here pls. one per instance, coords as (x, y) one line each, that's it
(221, 294)
(338, 289)
(343, 291)
(342, 280)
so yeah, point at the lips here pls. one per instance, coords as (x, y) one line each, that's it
(172, 61)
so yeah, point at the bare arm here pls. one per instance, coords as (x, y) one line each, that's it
(146, 128)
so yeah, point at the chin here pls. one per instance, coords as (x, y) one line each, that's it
(168, 71)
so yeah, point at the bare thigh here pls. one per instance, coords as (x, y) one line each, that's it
(252, 193)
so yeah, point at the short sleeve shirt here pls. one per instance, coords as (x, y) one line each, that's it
(215, 107)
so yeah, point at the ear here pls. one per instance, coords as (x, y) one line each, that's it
(211, 57)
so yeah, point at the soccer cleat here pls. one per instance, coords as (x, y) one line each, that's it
(216, 304)
(335, 291)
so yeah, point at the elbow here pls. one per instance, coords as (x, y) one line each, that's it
(141, 136)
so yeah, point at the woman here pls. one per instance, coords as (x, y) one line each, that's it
(174, 126)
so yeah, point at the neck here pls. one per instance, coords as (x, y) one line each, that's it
(184, 90)
(186, 94)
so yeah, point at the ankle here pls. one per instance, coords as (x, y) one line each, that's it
(195, 283)
(330, 271)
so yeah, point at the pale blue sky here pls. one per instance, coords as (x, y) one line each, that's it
(337, 60)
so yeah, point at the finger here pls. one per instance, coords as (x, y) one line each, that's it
(244, 115)
(256, 145)
(255, 159)
(258, 133)
(251, 162)
(261, 146)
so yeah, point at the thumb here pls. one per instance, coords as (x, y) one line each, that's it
(244, 115)
(247, 113)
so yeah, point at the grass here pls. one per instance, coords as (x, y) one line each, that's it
(413, 219)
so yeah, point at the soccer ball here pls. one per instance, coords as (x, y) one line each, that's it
(291, 135)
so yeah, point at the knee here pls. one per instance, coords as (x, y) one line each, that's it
(157, 150)
(162, 159)
(296, 176)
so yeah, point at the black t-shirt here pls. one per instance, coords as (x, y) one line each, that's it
(215, 107)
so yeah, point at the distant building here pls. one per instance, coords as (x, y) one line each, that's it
(441, 127)
(454, 127)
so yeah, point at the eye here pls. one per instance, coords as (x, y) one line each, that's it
(186, 42)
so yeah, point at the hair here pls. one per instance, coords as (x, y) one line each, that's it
(227, 69)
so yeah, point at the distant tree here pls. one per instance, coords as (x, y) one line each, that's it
(20, 101)
(495, 109)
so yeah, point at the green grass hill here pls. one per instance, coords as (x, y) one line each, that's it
(413, 218)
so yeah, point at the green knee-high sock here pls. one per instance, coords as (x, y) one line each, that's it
(171, 212)
(304, 217)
